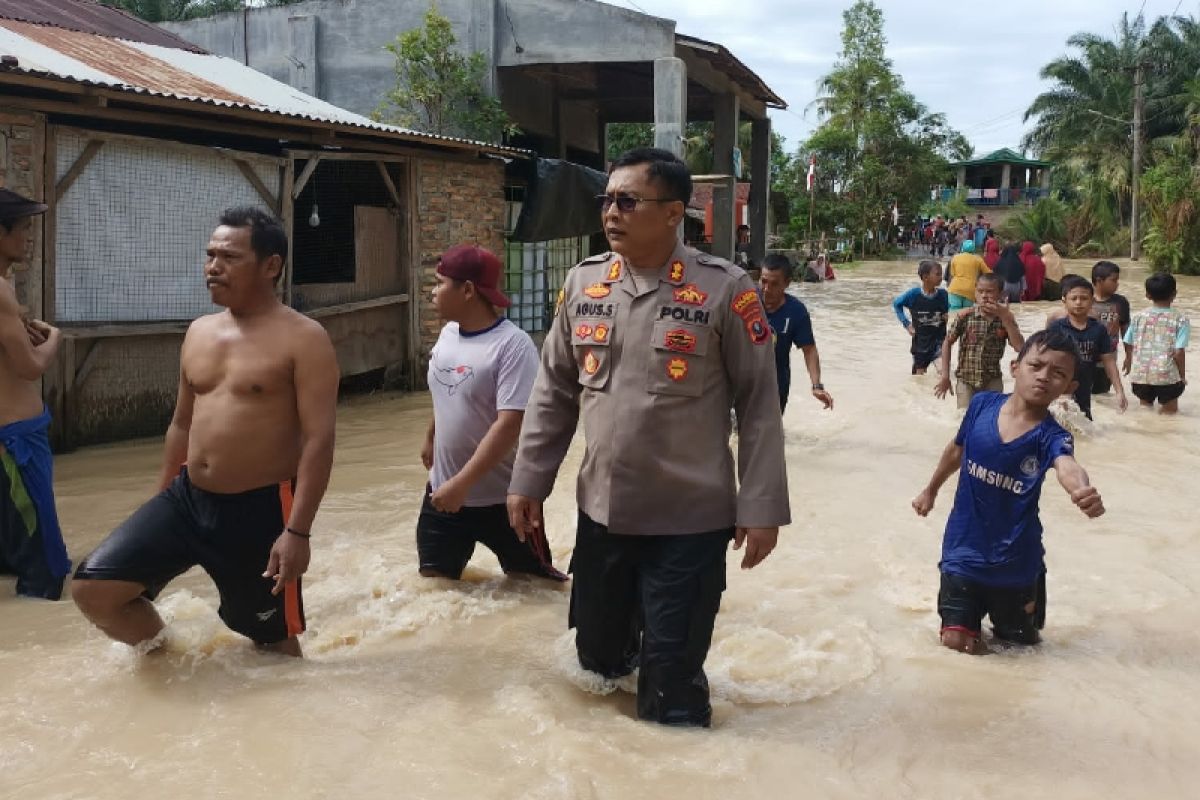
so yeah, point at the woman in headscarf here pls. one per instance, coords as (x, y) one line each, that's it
(1035, 272)
(965, 268)
(1012, 269)
(991, 250)
(1052, 288)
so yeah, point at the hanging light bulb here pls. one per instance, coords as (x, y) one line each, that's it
(314, 219)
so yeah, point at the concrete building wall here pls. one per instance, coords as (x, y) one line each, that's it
(458, 202)
(353, 69)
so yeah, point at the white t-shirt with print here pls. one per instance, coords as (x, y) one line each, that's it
(472, 377)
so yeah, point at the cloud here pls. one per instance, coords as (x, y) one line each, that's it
(960, 59)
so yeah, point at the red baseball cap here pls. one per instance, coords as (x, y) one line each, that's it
(480, 266)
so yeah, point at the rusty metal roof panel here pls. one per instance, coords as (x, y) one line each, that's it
(88, 16)
(170, 72)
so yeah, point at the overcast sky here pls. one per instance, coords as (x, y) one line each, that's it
(983, 80)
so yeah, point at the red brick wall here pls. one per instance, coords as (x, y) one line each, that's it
(457, 202)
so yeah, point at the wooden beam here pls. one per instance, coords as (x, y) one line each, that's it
(85, 158)
(389, 183)
(73, 332)
(288, 215)
(266, 194)
(89, 363)
(334, 155)
(310, 167)
(359, 305)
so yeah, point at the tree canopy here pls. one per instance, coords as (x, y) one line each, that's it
(174, 10)
(877, 145)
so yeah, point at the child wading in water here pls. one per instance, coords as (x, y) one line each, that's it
(1155, 346)
(992, 554)
(1092, 339)
(929, 306)
(984, 331)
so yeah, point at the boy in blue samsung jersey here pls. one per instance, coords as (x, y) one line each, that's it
(992, 554)
(790, 327)
(929, 305)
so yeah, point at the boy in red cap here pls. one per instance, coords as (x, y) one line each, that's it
(481, 372)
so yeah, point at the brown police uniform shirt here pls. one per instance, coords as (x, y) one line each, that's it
(653, 369)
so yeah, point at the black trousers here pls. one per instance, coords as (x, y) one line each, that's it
(649, 602)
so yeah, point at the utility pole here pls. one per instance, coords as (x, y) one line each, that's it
(1139, 102)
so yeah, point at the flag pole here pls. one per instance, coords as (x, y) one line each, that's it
(812, 186)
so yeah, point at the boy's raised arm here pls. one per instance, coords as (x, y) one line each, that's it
(1074, 480)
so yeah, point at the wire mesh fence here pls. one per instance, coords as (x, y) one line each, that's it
(534, 272)
(133, 227)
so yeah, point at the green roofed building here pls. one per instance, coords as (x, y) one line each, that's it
(1001, 178)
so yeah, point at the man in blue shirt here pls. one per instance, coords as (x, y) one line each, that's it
(992, 554)
(790, 327)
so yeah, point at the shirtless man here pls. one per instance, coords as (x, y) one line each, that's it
(254, 425)
(31, 544)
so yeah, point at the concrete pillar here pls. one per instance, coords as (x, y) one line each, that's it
(725, 138)
(1006, 177)
(962, 179)
(1046, 178)
(670, 104)
(760, 187)
(302, 61)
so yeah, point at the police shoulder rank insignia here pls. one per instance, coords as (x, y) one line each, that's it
(562, 295)
(676, 273)
(677, 369)
(680, 341)
(614, 271)
(583, 331)
(597, 290)
(591, 364)
(601, 334)
(690, 295)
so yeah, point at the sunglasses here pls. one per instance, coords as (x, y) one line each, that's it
(626, 204)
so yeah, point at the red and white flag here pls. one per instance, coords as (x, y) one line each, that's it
(812, 172)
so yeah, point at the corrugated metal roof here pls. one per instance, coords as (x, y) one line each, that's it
(88, 16)
(720, 57)
(170, 72)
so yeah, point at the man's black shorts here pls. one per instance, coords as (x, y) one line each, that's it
(1017, 613)
(1163, 394)
(445, 542)
(229, 535)
(926, 355)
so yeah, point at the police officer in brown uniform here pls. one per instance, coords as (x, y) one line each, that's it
(651, 346)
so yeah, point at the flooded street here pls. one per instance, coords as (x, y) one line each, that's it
(827, 678)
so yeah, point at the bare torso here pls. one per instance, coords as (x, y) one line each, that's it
(19, 398)
(245, 427)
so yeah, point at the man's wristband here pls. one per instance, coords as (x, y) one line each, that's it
(818, 387)
(295, 532)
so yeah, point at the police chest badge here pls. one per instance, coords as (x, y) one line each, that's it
(591, 364)
(597, 291)
(680, 341)
(677, 369)
(600, 336)
(583, 331)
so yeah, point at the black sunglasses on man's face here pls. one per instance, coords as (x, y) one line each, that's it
(625, 203)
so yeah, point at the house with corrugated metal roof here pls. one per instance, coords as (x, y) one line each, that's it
(563, 71)
(138, 139)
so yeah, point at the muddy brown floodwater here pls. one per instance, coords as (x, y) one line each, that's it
(826, 674)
